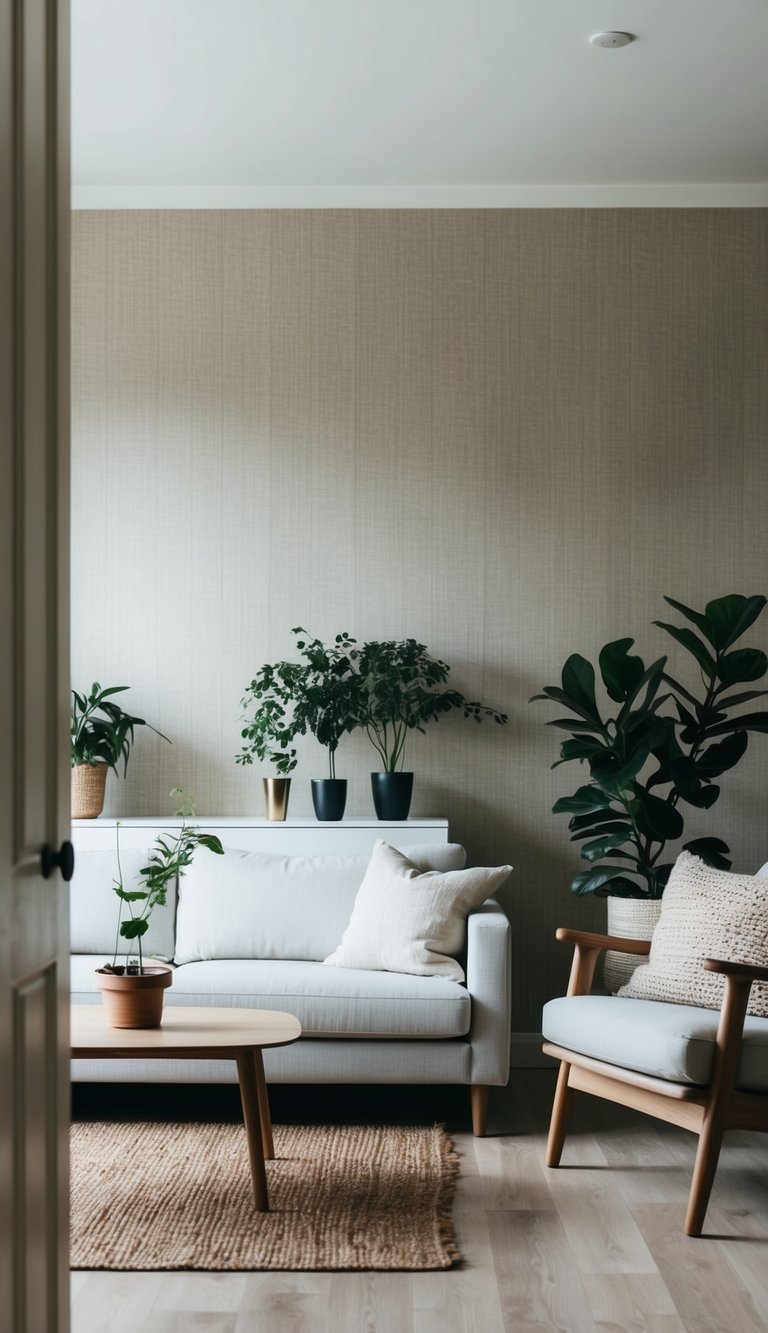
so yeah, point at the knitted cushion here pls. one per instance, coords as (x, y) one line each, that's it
(705, 913)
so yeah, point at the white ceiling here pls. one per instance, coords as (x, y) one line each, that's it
(418, 102)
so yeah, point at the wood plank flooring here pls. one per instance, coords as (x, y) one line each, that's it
(595, 1245)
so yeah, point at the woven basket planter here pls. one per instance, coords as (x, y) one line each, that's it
(88, 784)
(632, 919)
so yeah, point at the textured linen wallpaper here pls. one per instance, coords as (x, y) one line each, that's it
(505, 433)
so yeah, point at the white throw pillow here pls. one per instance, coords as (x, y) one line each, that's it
(258, 905)
(407, 920)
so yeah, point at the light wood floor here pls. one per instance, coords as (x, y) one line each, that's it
(597, 1244)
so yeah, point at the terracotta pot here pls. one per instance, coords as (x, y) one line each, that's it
(88, 784)
(134, 1001)
(631, 919)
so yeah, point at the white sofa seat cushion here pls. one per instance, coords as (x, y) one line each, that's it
(93, 907)
(327, 1001)
(257, 905)
(669, 1041)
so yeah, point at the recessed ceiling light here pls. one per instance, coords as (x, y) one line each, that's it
(612, 39)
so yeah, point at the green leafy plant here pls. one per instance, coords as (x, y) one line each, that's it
(168, 859)
(402, 687)
(101, 731)
(319, 695)
(645, 762)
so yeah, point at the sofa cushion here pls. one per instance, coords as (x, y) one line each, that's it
(93, 907)
(406, 919)
(705, 913)
(327, 1002)
(257, 905)
(670, 1041)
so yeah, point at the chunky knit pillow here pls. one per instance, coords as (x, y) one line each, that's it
(705, 913)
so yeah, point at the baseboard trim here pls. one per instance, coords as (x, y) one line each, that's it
(525, 1052)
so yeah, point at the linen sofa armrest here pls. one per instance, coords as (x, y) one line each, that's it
(489, 982)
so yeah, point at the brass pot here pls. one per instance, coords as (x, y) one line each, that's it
(276, 793)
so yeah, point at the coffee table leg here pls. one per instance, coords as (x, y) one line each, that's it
(249, 1096)
(267, 1142)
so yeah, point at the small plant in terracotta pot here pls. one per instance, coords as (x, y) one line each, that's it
(132, 992)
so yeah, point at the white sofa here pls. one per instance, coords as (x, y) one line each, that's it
(251, 930)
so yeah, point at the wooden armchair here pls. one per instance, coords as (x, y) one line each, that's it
(708, 1110)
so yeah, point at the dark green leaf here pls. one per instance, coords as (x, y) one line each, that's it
(694, 645)
(604, 880)
(593, 851)
(730, 617)
(733, 700)
(742, 665)
(131, 930)
(710, 850)
(584, 801)
(717, 759)
(579, 684)
(617, 826)
(704, 798)
(744, 722)
(655, 817)
(650, 680)
(695, 617)
(572, 724)
(621, 673)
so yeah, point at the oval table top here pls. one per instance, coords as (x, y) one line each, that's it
(185, 1029)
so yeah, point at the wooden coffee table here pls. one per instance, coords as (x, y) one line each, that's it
(201, 1034)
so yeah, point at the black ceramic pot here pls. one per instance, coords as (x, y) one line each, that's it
(392, 794)
(329, 796)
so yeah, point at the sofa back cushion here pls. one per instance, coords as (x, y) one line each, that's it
(255, 905)
(94, 907)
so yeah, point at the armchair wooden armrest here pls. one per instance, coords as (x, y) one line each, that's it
(591, 941)
(739, 971)
(587, 950)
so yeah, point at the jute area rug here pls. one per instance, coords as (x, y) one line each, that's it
(178, 1196)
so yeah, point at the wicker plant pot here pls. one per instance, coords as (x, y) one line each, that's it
(134, 1001)
(88, 784)
(633, 919)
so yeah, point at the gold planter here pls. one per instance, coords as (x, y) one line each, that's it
(276, 793)
(88, 784)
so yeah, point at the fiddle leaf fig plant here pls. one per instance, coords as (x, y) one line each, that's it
(402, 692)
(659, 748)
(101, 731)
(168, 859)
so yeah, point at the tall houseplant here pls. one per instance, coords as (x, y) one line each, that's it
(133, 990)
(659, 750)
(268, 731)
(101, 735)
(403, 690)
(319, 695)
(644, 762)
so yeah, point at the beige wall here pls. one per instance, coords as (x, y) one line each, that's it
(506, 433)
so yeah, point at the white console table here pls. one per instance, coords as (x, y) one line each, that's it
(299, 837)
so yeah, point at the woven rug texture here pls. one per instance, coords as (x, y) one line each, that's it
(178, 1196)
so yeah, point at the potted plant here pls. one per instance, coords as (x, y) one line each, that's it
(402, 688)
(101, 735)
(267, 733)
(132, 992)
(319, 695)
(660, 748)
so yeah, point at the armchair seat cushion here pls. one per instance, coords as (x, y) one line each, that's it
(670, 1041)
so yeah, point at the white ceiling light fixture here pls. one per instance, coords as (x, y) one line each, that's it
(612, 39)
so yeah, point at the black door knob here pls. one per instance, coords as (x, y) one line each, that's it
(63, 860)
